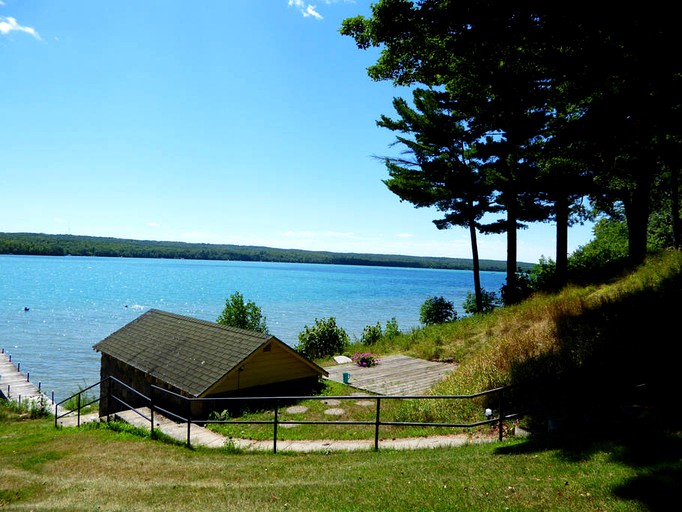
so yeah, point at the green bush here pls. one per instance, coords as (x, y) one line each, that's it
(242, 315)
(371, 334)
(490, 301)
(86, 400)
(391, 330)
(323, 339)
(437, 310)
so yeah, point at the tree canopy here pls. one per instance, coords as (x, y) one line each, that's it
(560, 105)
(243, 315)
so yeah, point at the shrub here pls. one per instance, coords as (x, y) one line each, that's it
(490, 301)
(371, 334)
(391, 330)
(323, 339)
(86, 400)
(242, 315)
(521, 291)
(436, 310)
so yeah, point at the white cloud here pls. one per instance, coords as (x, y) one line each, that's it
(308, 10)
(9, 24)
(153, 224)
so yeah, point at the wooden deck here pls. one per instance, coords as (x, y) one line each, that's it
(394, 375)
(17, 387)
(14, 385)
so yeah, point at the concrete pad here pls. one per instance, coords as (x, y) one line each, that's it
(297, 409)
(334, 412)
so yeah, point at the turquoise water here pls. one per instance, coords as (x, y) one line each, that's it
(74, 302)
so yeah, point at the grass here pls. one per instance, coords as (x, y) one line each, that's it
(583, 340)
(42, 468)
(354, 409)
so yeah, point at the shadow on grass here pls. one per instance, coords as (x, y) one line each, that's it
(656, 456)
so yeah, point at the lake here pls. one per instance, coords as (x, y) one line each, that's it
(54, 309)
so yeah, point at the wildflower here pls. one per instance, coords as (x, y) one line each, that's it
(365, 360)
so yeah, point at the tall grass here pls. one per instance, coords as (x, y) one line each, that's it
(594, 333)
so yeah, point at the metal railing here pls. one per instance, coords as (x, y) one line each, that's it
(155, 400)
(81, 404)
(377, 422)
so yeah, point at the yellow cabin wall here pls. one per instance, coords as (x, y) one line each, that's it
(279, 364)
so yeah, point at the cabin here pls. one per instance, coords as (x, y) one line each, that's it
(196, 359)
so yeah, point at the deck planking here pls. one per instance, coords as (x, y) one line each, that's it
(14, 385)
(17, 387)
(394, 375)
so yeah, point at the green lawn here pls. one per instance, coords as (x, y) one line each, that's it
(43, 468)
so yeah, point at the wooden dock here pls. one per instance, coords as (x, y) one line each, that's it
(394, 375)
(15, 385)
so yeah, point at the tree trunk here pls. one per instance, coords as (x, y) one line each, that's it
(675, 207)
(511, 286)
(637, 216)
(477, 271)
(561, 207)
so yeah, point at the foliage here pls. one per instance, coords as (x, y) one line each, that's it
(544, 135)
(437, 310)
(323, 339)
(490, 301)
(75, 245)
(365, 359)
(242, 315)
(371, 334)
(543, 277)
(391, 330)
(520, 289)
(87, 397)
(32, 409)
(444, 170)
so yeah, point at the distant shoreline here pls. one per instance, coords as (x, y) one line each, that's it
(38, 244)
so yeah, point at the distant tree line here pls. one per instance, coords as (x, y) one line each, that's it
(74, 245)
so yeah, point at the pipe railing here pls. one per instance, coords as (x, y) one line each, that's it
(377, 422)
(155, 401)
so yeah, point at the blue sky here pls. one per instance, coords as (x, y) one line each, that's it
(249, 122)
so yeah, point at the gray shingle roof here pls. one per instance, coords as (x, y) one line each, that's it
(188, 353)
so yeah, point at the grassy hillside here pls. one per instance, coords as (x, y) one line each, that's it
(584, 352)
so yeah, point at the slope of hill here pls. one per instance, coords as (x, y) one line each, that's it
(585, 352)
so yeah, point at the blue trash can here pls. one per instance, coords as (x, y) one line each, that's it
(346, 377)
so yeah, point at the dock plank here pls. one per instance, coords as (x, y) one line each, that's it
(13, 383)
(394, 375)
(16, 386)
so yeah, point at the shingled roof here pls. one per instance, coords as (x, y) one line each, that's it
(187, 353)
